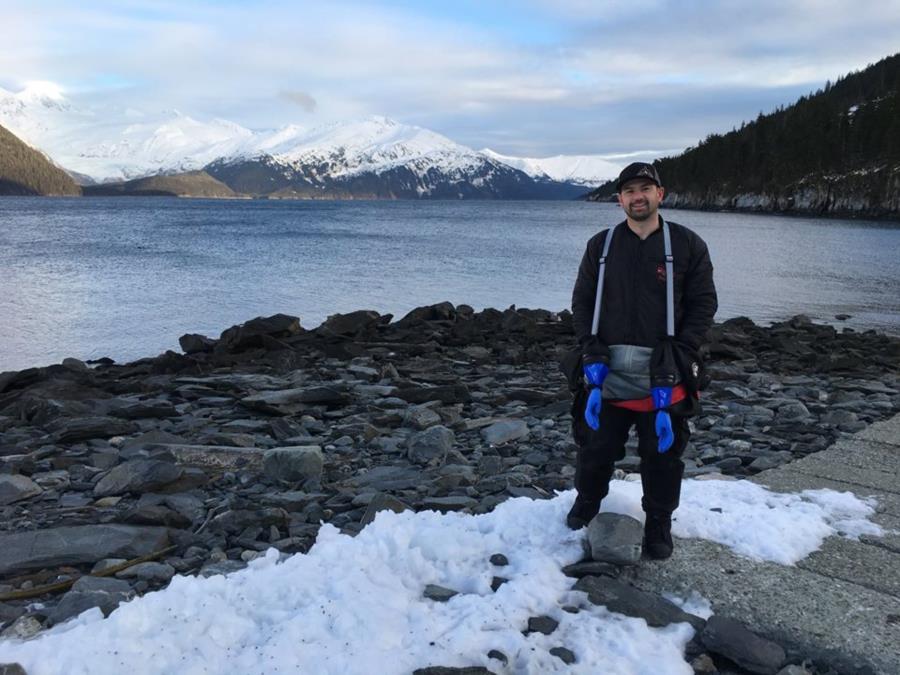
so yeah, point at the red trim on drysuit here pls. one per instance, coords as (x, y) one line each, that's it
(679, 393)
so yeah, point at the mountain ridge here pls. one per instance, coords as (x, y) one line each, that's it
(834, 152)
(25, 171)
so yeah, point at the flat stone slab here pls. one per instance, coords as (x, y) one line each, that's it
(882, 480)
(864, 564)
(860, 454)
(215, 456)
(891, 537)
(887, 431)
(22, 551)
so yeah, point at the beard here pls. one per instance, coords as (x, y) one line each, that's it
(640, 215)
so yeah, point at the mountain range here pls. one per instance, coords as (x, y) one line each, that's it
(114, 151)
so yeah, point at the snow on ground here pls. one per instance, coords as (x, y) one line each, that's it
(356, 605)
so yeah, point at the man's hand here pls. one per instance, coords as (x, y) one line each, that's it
(662, 399)
(594, 374)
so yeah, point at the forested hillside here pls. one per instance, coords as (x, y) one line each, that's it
(835, 151)
(25, 171)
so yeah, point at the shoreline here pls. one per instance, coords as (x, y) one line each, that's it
(889, 217)
(881, 217)
(254, 439)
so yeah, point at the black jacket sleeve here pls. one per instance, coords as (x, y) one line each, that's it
(699, 298)
(583, 296)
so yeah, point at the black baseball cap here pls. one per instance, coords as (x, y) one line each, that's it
(637, 170)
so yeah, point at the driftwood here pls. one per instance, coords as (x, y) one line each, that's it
(65, 585)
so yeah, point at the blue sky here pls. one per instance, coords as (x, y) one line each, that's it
(532, 77)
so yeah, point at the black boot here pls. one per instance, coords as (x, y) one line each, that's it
(582, 512)
(658, 536)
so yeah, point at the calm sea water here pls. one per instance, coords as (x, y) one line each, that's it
(125, 277)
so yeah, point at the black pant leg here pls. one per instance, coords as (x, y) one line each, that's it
(661, 472)
(599, 450)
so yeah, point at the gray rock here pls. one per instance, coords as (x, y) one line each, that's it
(148, 571)
(794, 669)
(454, 393)
(421, 417)
(291, 400)
(253, 333)
(499, 560)
(445, 670)
(733, 640)
(90, 583)
(591, 568)
(145, 410)
(567, 656)
(352, 324)
(75, 430)
(12, 669)
(137, 475)
(728, 464)
(383, 502)
(294, 463)
(615, 538)
(389, 478)
(76, 545)
(792, 411)
(194, 343)
(223, 567)
(15, 487)
(444, 504)
(839, 417)
(542, 624)
(505, 430)
(617, 596)
(439, 593)
(22, 628)
(770, 461)
(89, 592)
(430, 445)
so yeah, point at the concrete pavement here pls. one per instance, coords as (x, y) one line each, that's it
(841, 603)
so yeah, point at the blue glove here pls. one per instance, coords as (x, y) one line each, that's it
(662, 399)
(594, 374)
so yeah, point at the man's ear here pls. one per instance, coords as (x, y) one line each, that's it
(619, 199)
(662, 193)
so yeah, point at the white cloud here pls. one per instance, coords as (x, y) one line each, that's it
(594, 62)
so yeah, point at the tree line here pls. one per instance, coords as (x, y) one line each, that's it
(850, 125)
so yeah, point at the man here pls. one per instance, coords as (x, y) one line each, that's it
(622, 388)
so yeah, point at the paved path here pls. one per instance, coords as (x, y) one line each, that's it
(843, 601)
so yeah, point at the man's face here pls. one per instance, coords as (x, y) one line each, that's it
(640, 198)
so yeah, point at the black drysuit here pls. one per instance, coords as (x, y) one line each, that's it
(633, 312)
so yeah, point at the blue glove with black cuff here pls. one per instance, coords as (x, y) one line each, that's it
(662, 399)
(594, 374)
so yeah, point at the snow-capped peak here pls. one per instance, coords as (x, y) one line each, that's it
(374, 143)
(588, 170)
(42, 91)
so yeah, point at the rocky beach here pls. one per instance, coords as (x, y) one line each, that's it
(115, 478)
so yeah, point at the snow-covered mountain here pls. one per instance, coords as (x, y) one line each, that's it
(587, 170)
(374, 157)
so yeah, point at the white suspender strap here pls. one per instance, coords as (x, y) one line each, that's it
(595, 325)
(670, 282)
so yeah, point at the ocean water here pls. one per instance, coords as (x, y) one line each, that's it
(125, 277)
